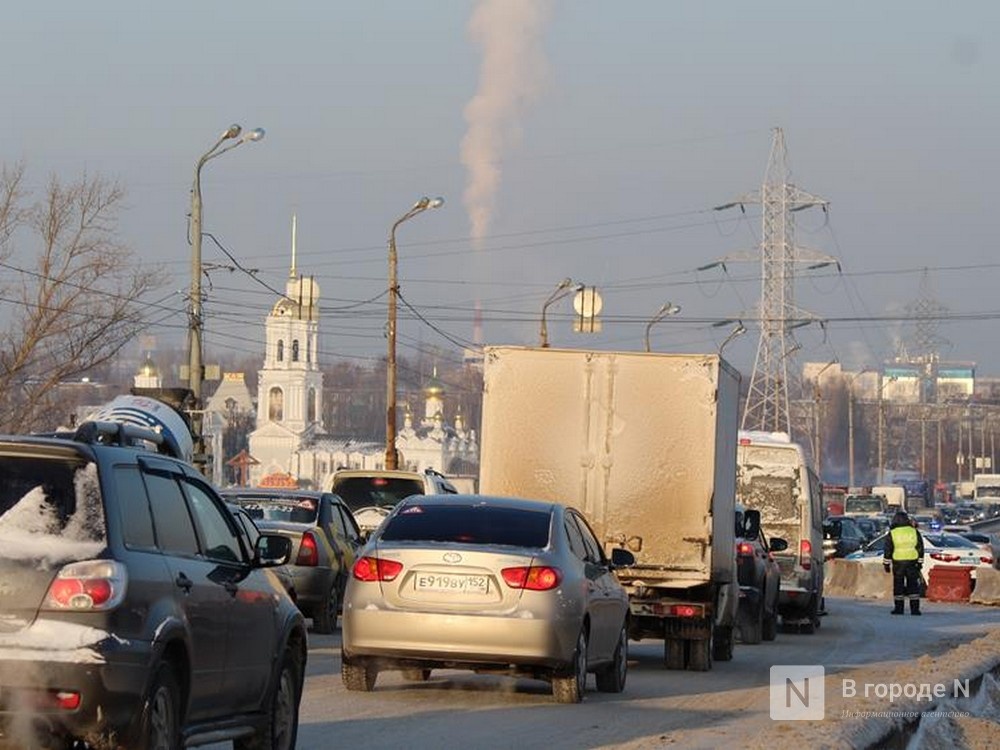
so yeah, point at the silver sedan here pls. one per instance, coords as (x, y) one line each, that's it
(490, 584)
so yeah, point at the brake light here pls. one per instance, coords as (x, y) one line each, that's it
(805, 554)
(744, 548)
(96, 585)
(370, 569)
(686, 610)
(533, 578)
(945, 557)
(46, 700)
(308, 551)
(986, 560)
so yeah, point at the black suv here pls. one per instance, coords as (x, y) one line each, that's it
(131, 613)
(759, 577)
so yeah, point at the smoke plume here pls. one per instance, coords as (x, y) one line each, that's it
(510, 78)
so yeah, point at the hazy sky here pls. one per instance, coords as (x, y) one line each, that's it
(613, 129)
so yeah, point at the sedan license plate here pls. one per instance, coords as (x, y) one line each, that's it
(460, 584)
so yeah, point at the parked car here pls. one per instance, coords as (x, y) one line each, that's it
(988, 541)
(940, 548)
(123, 585)
(759, 577)
(372, 493)
(325, 540)
(490, 584)
(841, 536)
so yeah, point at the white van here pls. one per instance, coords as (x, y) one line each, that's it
(772, 477)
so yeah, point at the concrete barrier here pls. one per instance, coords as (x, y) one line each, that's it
(840, 577)
(987, 589)
(873, 582)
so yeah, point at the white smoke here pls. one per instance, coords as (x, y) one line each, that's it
(511, 77)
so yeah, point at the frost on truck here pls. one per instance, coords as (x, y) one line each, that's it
(768, 483)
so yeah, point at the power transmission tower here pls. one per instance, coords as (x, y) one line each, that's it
(925, 312)
(767, 406)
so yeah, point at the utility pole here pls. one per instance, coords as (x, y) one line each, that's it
(767, 405)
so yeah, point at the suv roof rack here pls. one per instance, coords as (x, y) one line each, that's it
(126, 435)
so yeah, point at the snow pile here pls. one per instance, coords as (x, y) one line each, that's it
(65, 642)
(32, 530)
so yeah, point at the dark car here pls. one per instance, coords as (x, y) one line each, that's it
(841, 536)
(249, 534)
(131, 615)
(325, 540)
(759, 577)
(872, 526)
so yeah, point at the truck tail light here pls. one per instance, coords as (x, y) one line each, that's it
(687, 610)
(745, 549)
(805, 554)
(308, 551)
(370, 569)
(90, 585)
(533, 578)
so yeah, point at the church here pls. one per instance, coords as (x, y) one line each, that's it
(289, 445)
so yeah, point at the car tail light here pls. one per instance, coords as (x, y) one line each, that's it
(371, 569)
(308, 551)
(986, 560)
(533, 578)
(47, 700)
(945, 557)
(687, 610)
(90, 585)
(744, 548)
(805, 554)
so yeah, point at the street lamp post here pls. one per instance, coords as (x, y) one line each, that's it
(738, 330)
(666, 310)
(195, 365)
(391, 456)
(565, 288)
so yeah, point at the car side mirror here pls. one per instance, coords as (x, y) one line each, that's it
(751, 524)
(621, 558)
(777, 544)
(272, 550)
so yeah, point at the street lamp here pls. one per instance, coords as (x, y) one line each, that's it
(195, 367)
(565, 288)
(738, 330)
(666, 310)
(391, 456)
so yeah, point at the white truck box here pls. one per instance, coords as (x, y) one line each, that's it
(645, 445)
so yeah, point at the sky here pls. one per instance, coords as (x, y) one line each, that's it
(569, 139)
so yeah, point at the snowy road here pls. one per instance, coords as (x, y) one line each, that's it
(685, 709)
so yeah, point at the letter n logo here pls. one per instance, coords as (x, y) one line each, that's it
(797, 692)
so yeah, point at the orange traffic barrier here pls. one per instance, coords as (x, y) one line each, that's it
(949, 583)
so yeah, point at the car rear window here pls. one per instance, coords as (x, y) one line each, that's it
(469, 524)
(379, 492)
(949, 540)
(287, 509)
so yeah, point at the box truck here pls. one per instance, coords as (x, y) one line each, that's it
(645, 446)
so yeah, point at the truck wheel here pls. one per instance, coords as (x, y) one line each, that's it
(811, 622)
(722, 644)
(673, 653)
(700, 654)
(752, 626)
(770, 627)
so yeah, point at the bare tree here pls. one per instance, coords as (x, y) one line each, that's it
(73, 293)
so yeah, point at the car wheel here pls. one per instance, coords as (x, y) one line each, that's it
(752, 625)
(325, 619)
(358, 677)
(611, 679)
(673, 653)
(569, 688)
(161, 720)
(282, 727)
(770, 628)
(417, 675)
(700, 654)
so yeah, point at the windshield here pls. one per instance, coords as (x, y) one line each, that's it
(286, 509)
(469, 524)
(380, 492)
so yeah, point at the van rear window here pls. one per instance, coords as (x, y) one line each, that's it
(379, 492)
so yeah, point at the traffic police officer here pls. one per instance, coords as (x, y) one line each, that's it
(904, 555)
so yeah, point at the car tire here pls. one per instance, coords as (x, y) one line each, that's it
(722, 644)
(673, 653)
(769, 630)
(417, 675)
(700, 654)
(569, 688)
(325, 618)
(161, 720)
(752, 625)
(282, 727)
(359, 677)
(611, 679)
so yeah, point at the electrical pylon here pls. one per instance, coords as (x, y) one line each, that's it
(767, 399)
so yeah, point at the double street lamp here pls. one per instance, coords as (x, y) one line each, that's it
(195, 367)
(391, 456)
(565, 288)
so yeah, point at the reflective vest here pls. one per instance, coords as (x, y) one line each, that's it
(904, 543)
